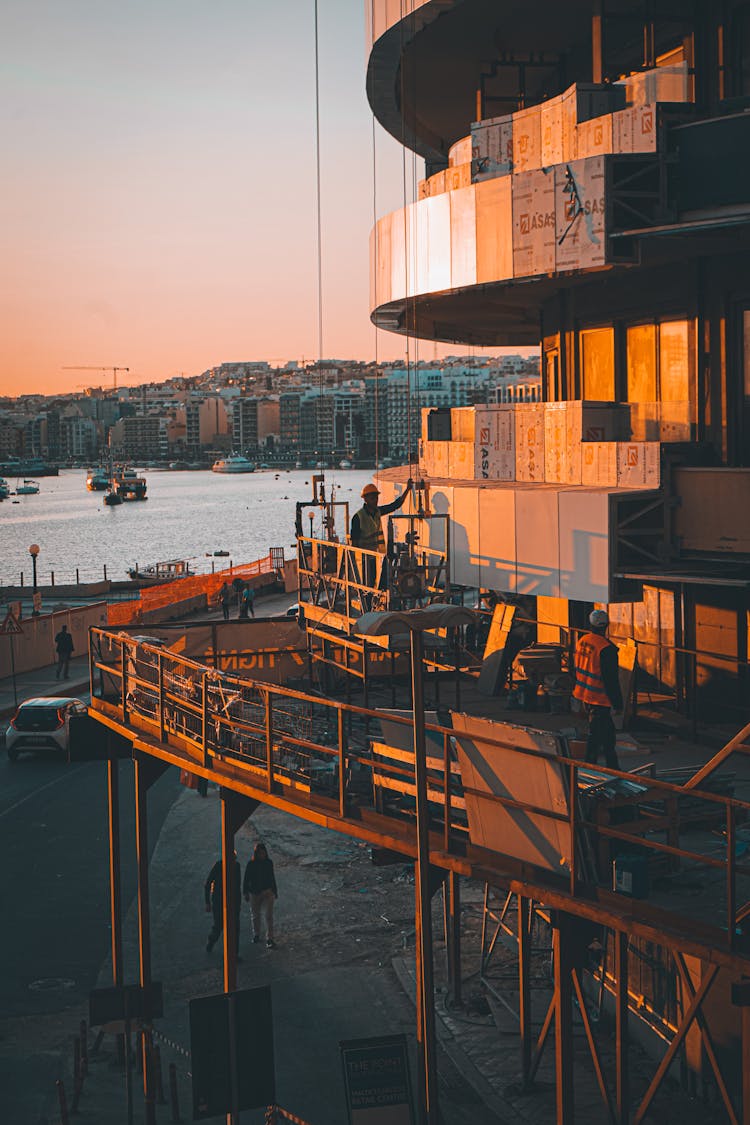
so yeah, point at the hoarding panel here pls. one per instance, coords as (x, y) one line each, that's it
(434, 245)
(538, 542)
(494, 236)
(465, 532)
(534, 223)
(580, 214)
(463, 237)
(584, 545)
(497, 540)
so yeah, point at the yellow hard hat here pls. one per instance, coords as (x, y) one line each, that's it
(369, 489)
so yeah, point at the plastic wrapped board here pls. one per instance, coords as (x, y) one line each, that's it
(527, 139)
(551, 126)
(534, 224)
(638, 464)
(489, 770)
(555, 442)
(580, 227)
(599, 463)
(492, 148)
(529, 419)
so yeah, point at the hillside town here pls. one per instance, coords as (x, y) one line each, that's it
(337, 409)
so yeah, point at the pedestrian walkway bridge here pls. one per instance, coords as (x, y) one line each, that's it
(506, 807)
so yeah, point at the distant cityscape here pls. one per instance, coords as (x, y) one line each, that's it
(333, 409)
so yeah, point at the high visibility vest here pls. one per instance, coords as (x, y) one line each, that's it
(371, 536)
(589, 687)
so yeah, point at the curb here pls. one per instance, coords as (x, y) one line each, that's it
(455, 1053)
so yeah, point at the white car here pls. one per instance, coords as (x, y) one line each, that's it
(43, 724)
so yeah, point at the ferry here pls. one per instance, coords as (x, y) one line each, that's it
(97, 480)
(129, 486)
(161, 571)
(234, 463)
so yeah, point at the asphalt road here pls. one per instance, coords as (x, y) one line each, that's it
(54, 890)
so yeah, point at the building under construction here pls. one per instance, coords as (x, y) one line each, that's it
(585, 191)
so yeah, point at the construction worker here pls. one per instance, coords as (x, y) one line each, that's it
(367, 527)
(597, 687)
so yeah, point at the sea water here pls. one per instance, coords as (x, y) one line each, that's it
(188, 515)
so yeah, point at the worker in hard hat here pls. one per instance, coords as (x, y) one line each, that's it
(597, 687)
(367, 528)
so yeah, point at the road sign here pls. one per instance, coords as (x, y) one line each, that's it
(231, 1049)
(10, 627)
(376, 1077)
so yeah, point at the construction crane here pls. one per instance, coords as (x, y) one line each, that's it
(114, 371)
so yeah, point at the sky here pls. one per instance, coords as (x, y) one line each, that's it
(158, 188)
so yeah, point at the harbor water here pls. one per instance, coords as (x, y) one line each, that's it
(188, 515)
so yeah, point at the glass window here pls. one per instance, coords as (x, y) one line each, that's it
(674, 361)
(598, 364)
(641, 348)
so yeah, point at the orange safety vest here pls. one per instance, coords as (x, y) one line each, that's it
(371, 536)
(589, 687)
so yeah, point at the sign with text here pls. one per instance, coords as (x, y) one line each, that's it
(376, 1079)
(231, 1047)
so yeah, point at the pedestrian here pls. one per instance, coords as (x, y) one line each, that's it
(214, 896)
(225, 598)
(247, 602)
(63, 648)
(597, 687)
(260, 891)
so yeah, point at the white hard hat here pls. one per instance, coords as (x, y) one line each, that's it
(598, 618)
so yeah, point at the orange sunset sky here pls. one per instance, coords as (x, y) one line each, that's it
(159, 187)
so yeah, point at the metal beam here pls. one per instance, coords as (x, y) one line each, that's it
(622, 1091)
(564, 1048)
(525, 917)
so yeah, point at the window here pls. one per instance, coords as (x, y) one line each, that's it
(674, 361)
(598, 364)
(641, 363)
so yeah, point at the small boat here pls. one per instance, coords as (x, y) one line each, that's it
(234, 463)
(28, 488)
(161, 571)
(129, 486)
(345, 464)
(4, 489)
(221, 554)
(97, 480)
(112, 499)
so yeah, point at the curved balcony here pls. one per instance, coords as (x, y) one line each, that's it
(431, 62)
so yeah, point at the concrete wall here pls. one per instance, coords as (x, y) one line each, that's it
(35, 647)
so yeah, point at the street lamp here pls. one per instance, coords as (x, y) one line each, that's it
(415, 622)
(34, 551)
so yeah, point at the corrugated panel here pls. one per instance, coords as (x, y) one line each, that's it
(494, 237)
(584, 545)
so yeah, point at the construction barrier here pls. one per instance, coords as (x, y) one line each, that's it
(261, 572)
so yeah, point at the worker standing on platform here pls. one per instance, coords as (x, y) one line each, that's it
(367, 527)
(597, 687)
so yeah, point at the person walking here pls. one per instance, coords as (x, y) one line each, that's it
(225, 598)
(597, 687)
(247, 602)
(64, 649)
(214, 897)
(260, 890)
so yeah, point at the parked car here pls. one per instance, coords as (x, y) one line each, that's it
(43, 723)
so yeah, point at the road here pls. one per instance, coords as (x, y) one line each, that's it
(54, 887)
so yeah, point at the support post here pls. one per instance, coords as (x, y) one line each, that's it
(524, 987)
(425, 992)
(622, 1093)
(454, 936)
(235, 810)
(597, 42)
(564, 1053)
(115, 895)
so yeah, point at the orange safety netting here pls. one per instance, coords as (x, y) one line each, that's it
(180, 589)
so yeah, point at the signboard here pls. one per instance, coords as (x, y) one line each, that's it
(231, 1047)
(127, 1002)
(10, 627)
(37, 600)
(376, 1080)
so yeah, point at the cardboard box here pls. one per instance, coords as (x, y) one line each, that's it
(638, 464)
(529, 418)
(460, 152)
(463, 423)
(594, 137)
(551, 127)
(580, 228)
(527, 139)
(555, 443)
(534, 224)
(599, 463)
(492, 148)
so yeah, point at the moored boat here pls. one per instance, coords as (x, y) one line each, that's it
(28, 488)
(234, 463)
(128, 485)
(161, 571)
(97, 480)
(4, 489)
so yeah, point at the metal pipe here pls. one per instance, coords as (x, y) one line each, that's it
(144, 913)
(425, 998)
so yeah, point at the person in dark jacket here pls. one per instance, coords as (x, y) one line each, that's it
(597, 687)
(64, 650)
(260, 891)
(214, 896)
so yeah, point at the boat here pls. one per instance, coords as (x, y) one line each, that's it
(32, 467)
(234, 463)
(4, 489)
(166, 571)
(345, 464)
(112, 499)
(298, 465)
(28, 488)
(128, 485)
(97, 480)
